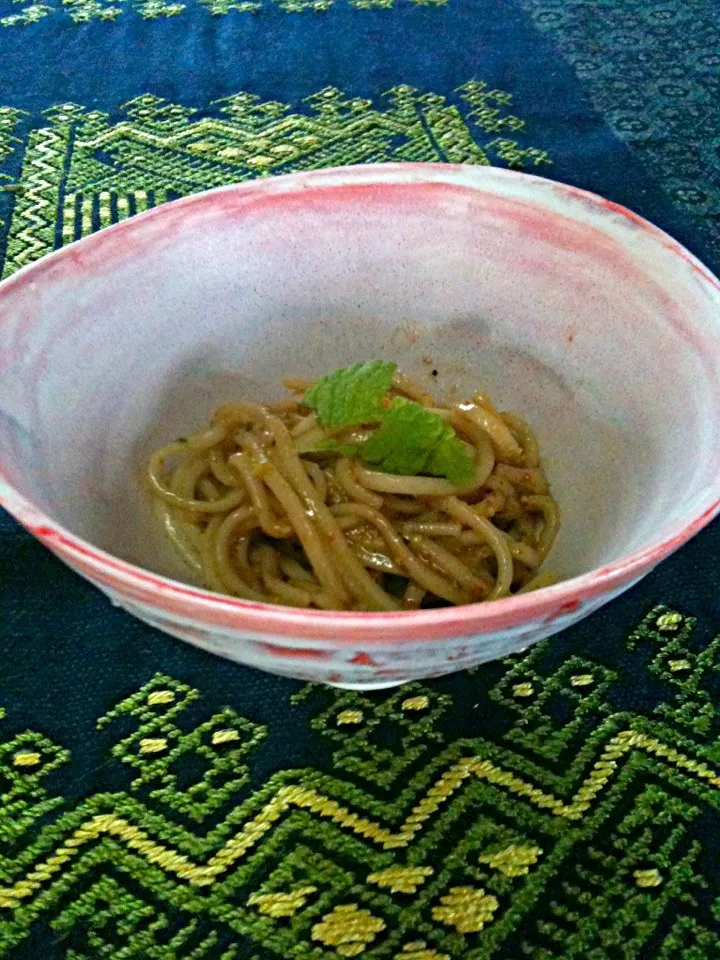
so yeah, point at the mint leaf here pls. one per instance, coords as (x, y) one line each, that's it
(413, 440)
(405, 438)
(352, 395)
(451, 459)
(410, 439)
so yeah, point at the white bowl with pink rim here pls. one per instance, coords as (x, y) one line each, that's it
(596, 326)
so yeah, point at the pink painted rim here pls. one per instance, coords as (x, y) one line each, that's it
(267, 620)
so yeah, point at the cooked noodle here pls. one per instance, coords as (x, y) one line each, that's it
(254, 507)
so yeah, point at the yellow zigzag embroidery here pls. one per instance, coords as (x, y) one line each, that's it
(309, 799)
(428, 841)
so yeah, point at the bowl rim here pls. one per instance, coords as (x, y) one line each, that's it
(274, 621)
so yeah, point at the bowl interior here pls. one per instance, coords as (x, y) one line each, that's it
(587, 323)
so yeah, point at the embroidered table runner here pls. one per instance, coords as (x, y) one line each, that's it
(156, 802)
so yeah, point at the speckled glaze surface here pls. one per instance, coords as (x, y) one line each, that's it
(595, 325)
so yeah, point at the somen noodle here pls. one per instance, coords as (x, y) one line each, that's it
(261, 509)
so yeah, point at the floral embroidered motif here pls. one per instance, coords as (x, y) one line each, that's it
(85, 11)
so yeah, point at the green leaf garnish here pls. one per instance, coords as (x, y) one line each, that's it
(410, 439)
(413, 440)
(352, 395)
(450, 458)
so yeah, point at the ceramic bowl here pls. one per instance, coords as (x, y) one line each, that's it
(598, 327)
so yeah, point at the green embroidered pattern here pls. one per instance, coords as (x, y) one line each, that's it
(85, 11)
(84, 171)
(8, 121)
(576, 832)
